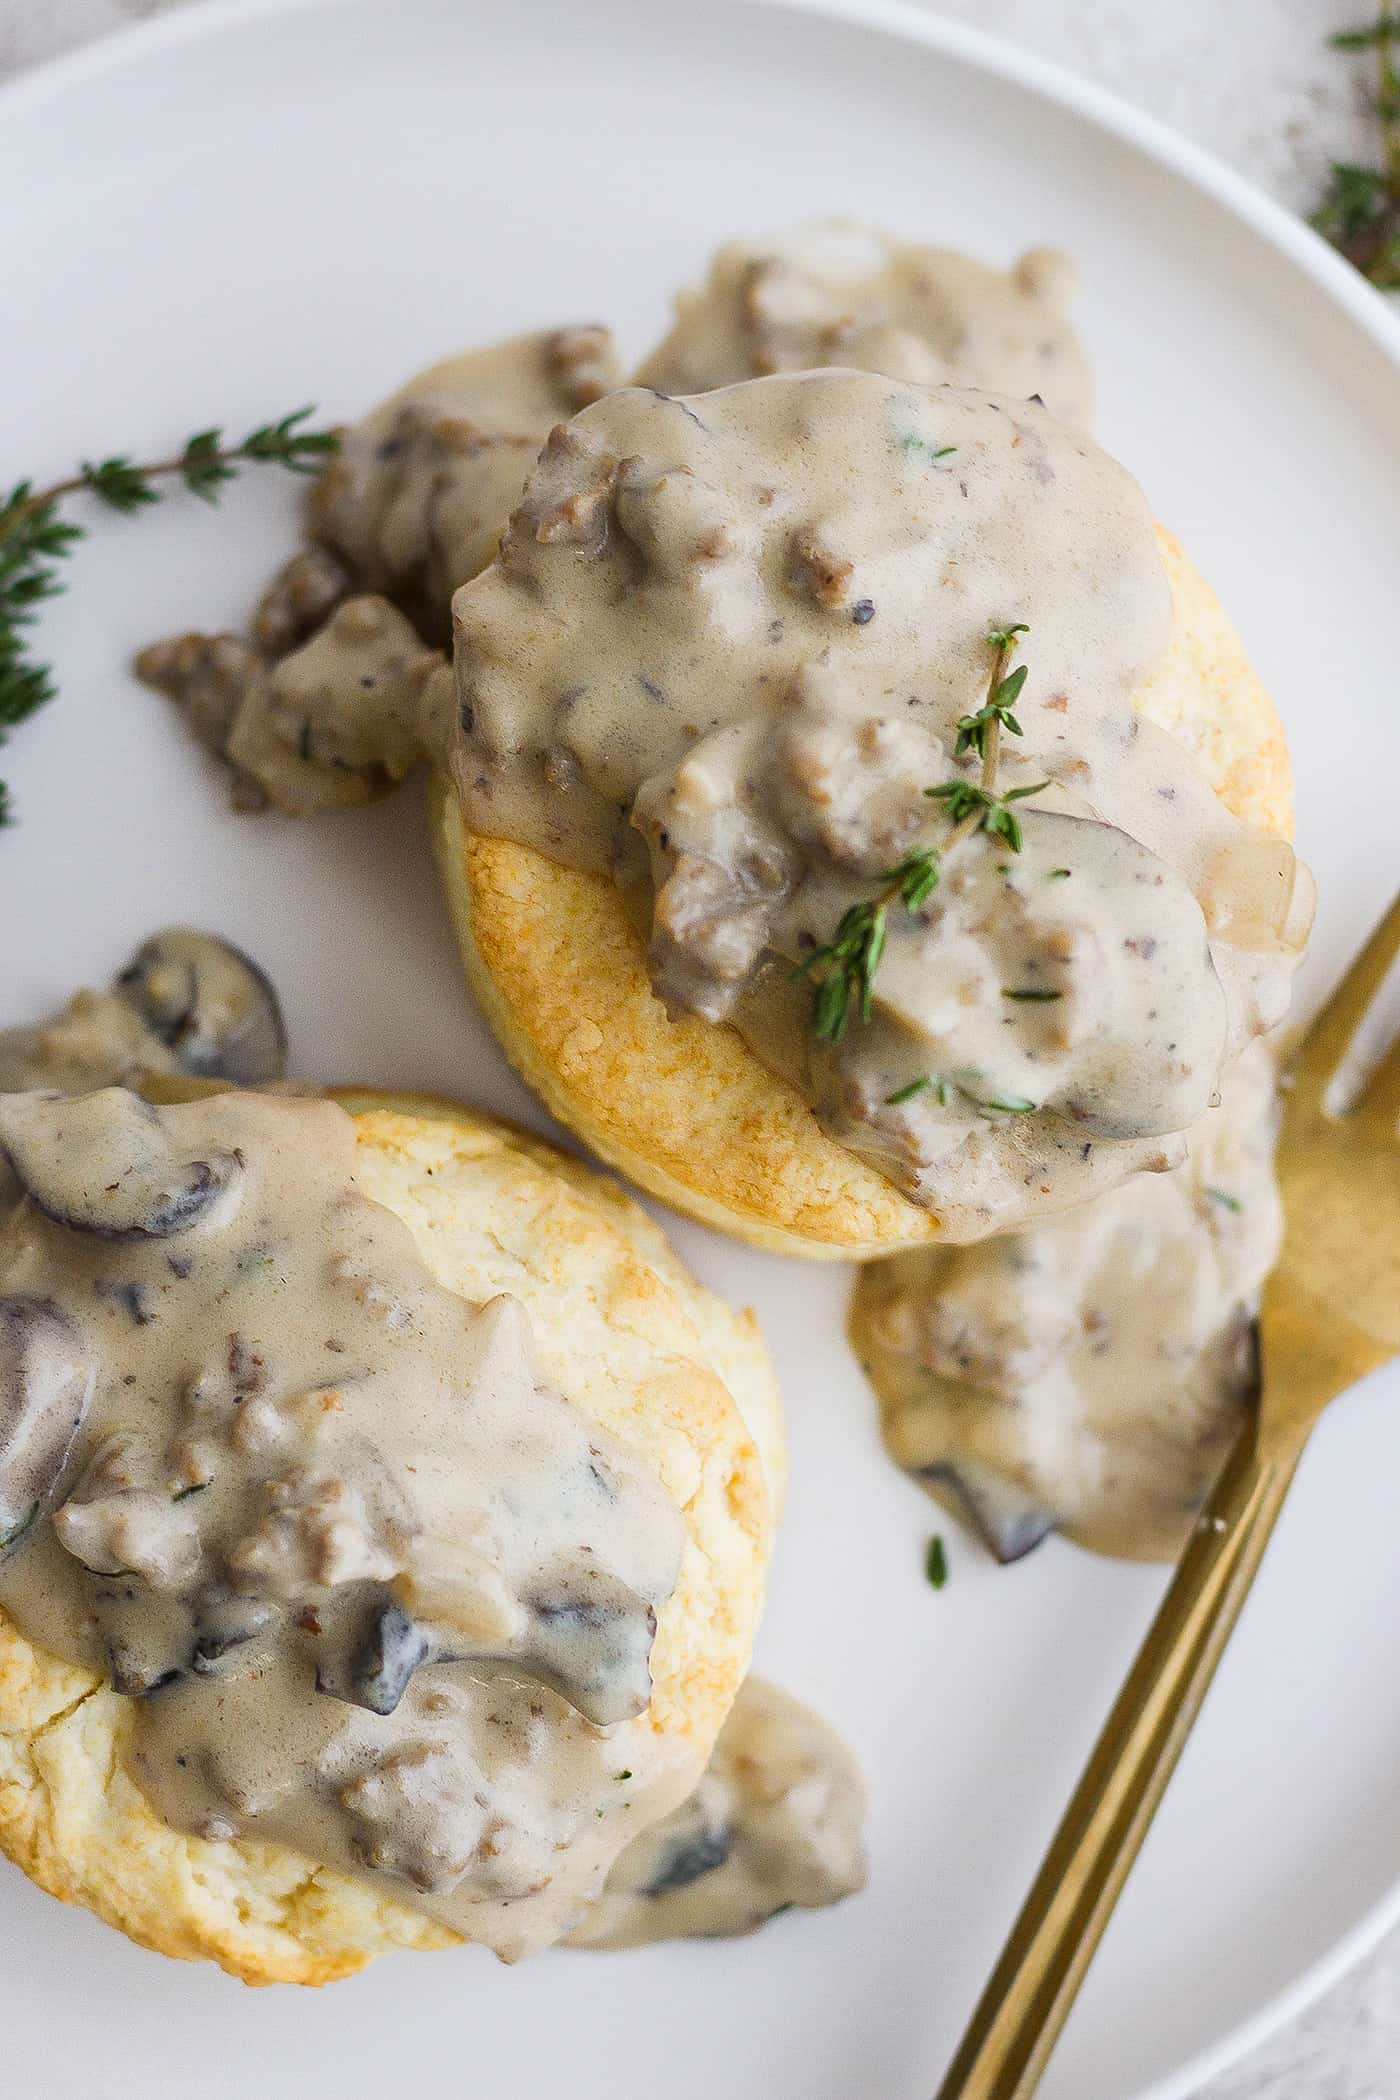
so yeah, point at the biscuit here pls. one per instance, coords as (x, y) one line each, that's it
(684, 1108)
(635, 1342)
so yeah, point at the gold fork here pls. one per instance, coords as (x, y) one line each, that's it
(1330, 1314)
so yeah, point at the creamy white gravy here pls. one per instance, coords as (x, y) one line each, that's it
(1087, 1375)
(839, 293)
(374, 1588)
(777, 1823)
(318, 707)
(186, 1002)
(724, 654)
(415, 500)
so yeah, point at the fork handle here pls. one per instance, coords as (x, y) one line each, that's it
(1008, 2042)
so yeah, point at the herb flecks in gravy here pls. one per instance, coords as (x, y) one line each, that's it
(776, 1823)
(375, 1588)
(664, 677)
(1089, 1374)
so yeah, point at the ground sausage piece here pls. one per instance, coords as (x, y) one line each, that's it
(776, 1823)
(319, 710)
(1096, 1369)
(838, 293)
(397, 1595)
(738, 650)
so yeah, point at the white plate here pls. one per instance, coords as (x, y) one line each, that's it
(243, 208)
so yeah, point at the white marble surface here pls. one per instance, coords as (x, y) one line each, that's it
(1253, 80)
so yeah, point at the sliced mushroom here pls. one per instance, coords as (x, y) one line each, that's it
(223, 1622)
(690, 1856)
(145, 1638)
(381, 1667)
(594, 1648)
(210, 1005)
(105, 1163)
(1004, 1517)
(46, 1380)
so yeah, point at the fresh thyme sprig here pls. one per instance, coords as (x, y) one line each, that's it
(1360, 209)
(35, 538)
(851, 957)
(849, 960)
(927, 1084)
(973, 730)
(973, 808)
(944, 1089)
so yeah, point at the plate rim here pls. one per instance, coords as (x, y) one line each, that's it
(1101, 109)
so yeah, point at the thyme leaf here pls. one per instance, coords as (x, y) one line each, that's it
(974, 808)
(1359, 211)
(851, 957)
(916, 447)
(849, 960)
(35, 538)
(939, 1088)
(973, 729)
(1360, 39)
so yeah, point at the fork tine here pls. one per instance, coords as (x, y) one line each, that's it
(1328, 1040)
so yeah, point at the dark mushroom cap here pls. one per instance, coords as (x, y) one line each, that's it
(104, 1163)
(46, 1380)
(210, 1005)
(1008, 1522)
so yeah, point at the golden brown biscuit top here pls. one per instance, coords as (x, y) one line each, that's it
(836, 676)
(375, 1587)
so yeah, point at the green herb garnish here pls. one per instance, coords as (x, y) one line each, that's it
(1035, 992)
(183, 1494)
(916, 447)
(851, 957)
(849, 960)
(973, 729)
(1225, 1199)
(1360, 208)
(975, 808)
(936, 1562)
(907, 1093)
(35, 538)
